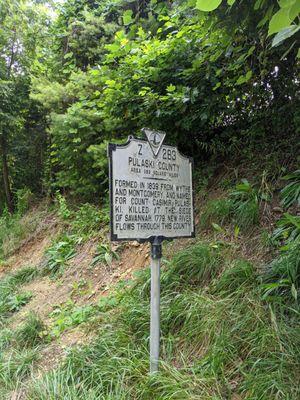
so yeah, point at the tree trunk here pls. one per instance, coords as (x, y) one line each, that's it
(7, 189)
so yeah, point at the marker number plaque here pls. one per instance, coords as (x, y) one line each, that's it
(150, 190)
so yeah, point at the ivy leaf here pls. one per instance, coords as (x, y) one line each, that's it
(279, 21)
(284, 34)
(208, 5)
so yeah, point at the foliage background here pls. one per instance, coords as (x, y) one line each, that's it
(99, 71)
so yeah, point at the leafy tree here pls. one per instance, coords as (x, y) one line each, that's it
(20, 27)
(282, 22)
(205, 72)
(212, 81)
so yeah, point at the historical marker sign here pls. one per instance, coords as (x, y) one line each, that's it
(150, 190)
(151, 198)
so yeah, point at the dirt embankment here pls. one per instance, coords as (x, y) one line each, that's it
(81, 283)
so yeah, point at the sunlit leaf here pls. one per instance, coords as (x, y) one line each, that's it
(285, 34)
(127, 17)
(171, 88)
(208, 5)
(279, 21)
(294, 10)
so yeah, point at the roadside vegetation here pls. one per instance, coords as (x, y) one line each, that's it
(229, 324)
(221, 78)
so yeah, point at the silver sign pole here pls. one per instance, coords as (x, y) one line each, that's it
(155, 304)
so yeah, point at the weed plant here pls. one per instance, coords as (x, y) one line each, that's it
(14, 228)
(282, 275)
(84, 221)
(69, 315)
(287, 231)
(105, 254)
(89, 219)
(11, 298)
(31, 333)
(61, 251)
(241, 207)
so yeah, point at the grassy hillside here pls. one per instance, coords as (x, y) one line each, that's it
(74, 308)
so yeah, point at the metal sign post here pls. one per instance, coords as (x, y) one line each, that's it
(156, 253)
(151, 199)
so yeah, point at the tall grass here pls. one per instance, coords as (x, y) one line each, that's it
(31, 333)
(219, 340)
(241, 207)
(15, 366)
(216, 211)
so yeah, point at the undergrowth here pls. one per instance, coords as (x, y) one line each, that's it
(12, 298)
(241, 207)
(18, 347)
(229, 328)
(15, 228)
(219, 339)
(31, 333)
(59, 253)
